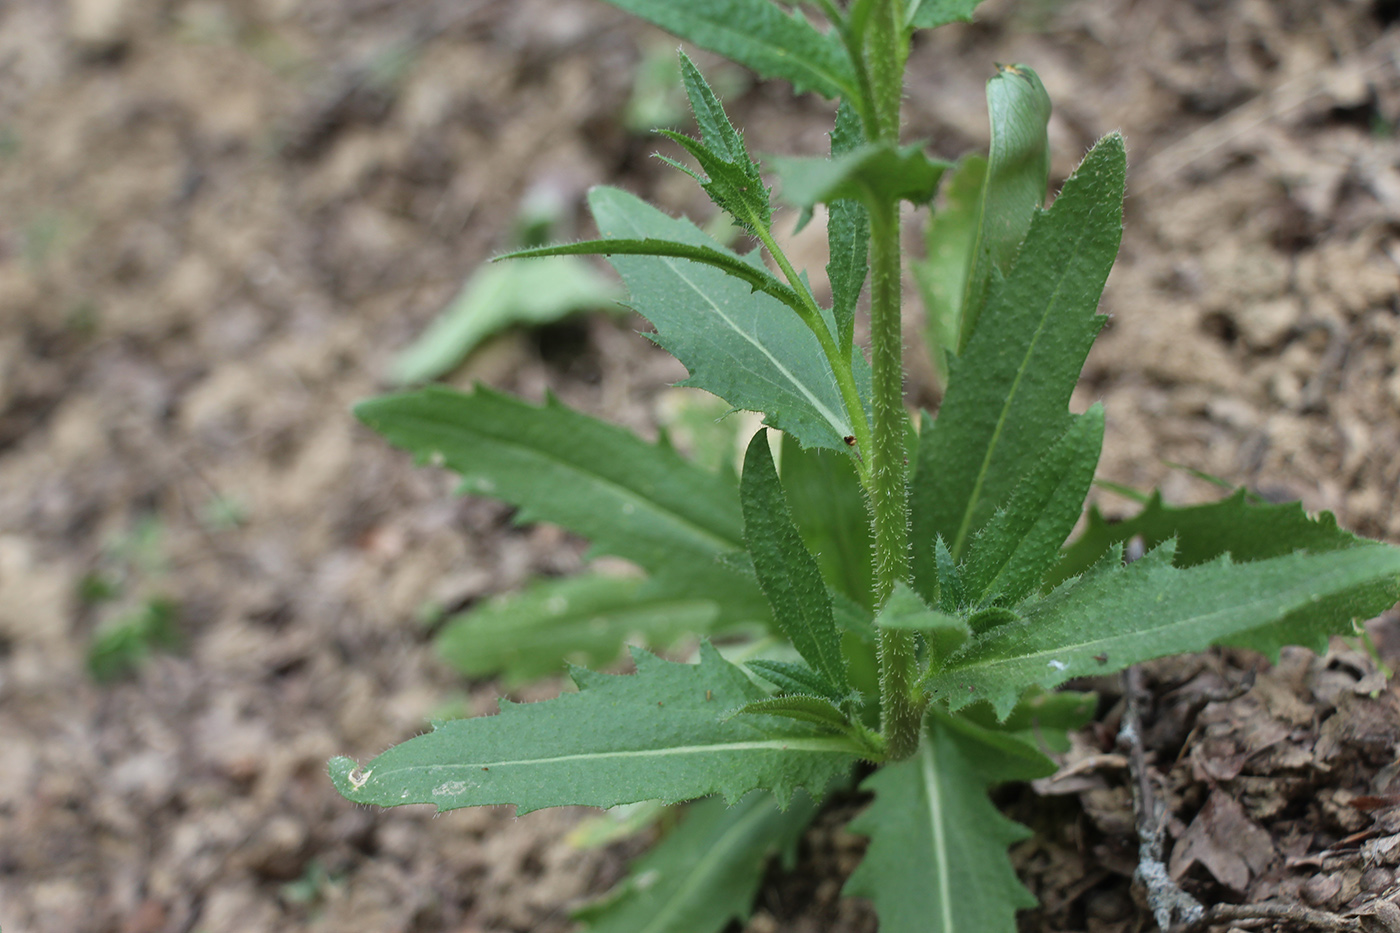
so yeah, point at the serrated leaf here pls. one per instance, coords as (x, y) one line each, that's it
(758, 35)
(733, 181)
(706, 871)
(1008, 394)
(847, 235)
(745, 347)
(904, 609)
(790, 677)
(828, 507)
(635, 500)
(937, 859)
(756, 277)
(787, 572)
(715, 129)
(581, 620)
(817, 710)
(1245, 530)
(929, 14)
(653, 735)
(997, 755)
(1018, 169)
(1116, 615)
(951, 594)
(497, 297)
(941, 273)
(1013, 551)
(876, 172)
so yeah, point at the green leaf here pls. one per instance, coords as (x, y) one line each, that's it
(1246, 531)
(1018, 169)
(1013, 551)
(635, 500)
(497, 297)
(1042, 718)
(828, 507)
(1116, 615)
(794, 678)
(787, 572)
(998, 755)
(942, 273)
(1008, 394)
(715, 129)
(876, 172)
(847, 235)
(937, 860)
(817, 710)
(904, 609)
(745, 347)
(734, 181)
(706, 871)
(656, 734)
(758, 35)
(582, 620)
(757, 277)
(929, 14)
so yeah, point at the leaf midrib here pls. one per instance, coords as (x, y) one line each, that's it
(839, 426)
(1021, 370)
(941, 855)
(722, 542)
(811, 744)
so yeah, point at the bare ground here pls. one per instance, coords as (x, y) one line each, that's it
(222, 219)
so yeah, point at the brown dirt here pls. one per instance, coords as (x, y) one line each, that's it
(221, 219)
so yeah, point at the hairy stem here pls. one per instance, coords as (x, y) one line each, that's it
(901, 706)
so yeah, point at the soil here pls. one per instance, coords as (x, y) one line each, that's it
(221, 220)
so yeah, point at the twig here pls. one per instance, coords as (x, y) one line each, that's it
(1295, 915)
(1168, 902)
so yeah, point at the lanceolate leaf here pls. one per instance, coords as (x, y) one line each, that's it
(1018, 167)
(787, 572)
(745, 347)
(706, 871)
(757, 277)
(928, 14)
(942, 274)
(581, 620)
(657, 734)
(794, 678)
(1116, 615)
(758, 35)
(828, 507)
(847, 235)
(937, 860)
(873, 171)
(817, 710)
(632, 499)
(1012, 552)
(1008, 394)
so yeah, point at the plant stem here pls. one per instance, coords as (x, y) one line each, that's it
(901, 707)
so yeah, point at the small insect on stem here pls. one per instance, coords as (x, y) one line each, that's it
(709, 695)
(850, 440)
(1101, 658)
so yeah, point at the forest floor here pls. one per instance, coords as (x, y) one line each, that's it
(222, 219)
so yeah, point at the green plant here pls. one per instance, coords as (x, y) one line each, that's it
(896, 598)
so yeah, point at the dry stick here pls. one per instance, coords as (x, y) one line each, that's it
(1168, 902)
(1295, 915)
